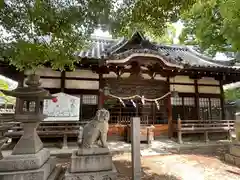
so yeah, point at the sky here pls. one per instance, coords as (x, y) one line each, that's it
(178, 25)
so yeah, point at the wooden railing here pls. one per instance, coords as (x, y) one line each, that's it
(6, 123)
(50, 129)
(125, 120)
(6, 111)
(202, 126)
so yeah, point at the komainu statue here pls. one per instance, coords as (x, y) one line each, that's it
(95, 131)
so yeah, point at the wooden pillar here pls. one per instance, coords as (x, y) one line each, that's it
(169, 110)
(63, 80)
(196, 98)
(101, 93)
(222, 99)
(153, 113)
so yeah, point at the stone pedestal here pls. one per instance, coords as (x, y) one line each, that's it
(234, 155)
(237, 127)
(92, 163)
(234, 150)
(30, 138)
(27, 167)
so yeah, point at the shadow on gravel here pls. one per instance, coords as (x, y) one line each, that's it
(124, 172)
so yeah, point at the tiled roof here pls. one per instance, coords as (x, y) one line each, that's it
(106, 48)
(97, 48)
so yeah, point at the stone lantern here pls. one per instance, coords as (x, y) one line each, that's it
(29, 160)
(30, 114)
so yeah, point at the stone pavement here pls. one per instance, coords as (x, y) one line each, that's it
(161, 160)
(189, 167)
(178, 167)
(158, 147)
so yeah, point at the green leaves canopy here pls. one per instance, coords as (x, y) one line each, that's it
(40, 31)
(51, 31)
(8, 99)
(151, 16)
(167, 37)
(214, 25)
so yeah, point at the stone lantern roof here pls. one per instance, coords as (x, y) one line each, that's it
(31, 92)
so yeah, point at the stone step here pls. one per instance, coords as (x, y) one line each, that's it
(102, 175)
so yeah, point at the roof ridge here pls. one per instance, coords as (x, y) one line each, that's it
(205, 57)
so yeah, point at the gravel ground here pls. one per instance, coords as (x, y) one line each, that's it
(178, 167)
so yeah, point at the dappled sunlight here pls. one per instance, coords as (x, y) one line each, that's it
(189, 167)
(124, 167)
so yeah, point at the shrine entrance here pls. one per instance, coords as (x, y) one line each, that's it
(123, 108)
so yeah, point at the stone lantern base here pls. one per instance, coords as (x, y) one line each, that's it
(37, 166)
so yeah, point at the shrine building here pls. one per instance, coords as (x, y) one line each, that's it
(159, 83)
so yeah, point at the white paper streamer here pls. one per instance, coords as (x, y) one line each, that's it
(134, 104)
(158, 106)
(143, 100)
(122, 102)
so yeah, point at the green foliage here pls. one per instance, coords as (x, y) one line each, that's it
(232, 94)
(167, 37)
(51, 31)
(213, 25)
(8, 99)
(40, 31)
(149, 16)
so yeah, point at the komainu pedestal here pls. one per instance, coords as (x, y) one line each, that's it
(91, 164)
(93, 159)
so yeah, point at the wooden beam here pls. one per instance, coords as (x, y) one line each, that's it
(101, 92)
(207, 85)
(169, 110)
(196, 98)
(63, 80)
(222, 99)
(73, 91)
